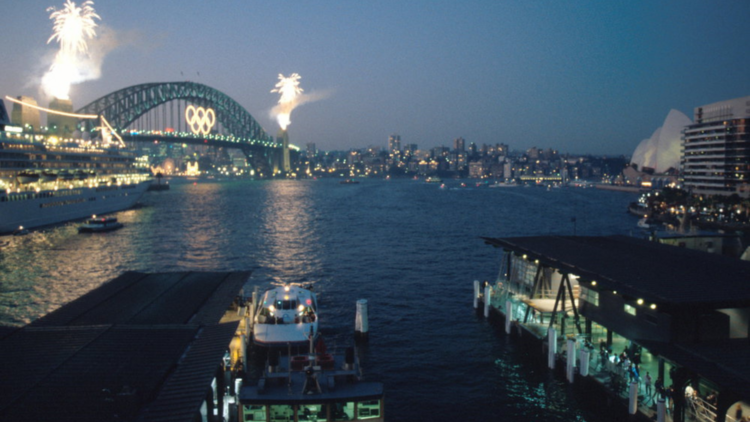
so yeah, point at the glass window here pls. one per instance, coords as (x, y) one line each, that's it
(342, 411)
(254, 412)
(282, 413)
(590, 296)
(368, 409)
(311, 412)
(630, 309)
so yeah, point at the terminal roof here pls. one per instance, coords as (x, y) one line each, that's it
(638, 268)
(141, 347)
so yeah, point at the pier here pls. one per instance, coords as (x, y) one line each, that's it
(141, 347)
(608, 311)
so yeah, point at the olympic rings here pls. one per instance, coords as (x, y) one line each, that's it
(200, 120)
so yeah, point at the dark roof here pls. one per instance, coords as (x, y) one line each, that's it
(122, 352)
(652, 271)
(146, 299)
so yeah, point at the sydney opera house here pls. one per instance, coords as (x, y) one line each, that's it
(711, 153)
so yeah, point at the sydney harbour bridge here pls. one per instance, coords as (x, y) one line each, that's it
(188, 113)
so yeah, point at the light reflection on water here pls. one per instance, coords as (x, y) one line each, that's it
(289, 228)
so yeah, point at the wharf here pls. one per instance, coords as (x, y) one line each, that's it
(140, 347)
(603, 308)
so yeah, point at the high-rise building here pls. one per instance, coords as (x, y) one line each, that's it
(459, 145)
(394, 144)
(312, 149)
(715, 155)
(25, 116)
(60, 124)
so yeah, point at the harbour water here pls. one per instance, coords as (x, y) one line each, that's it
(411, 249)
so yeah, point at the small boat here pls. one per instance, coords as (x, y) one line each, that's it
(349, 182)
(48, 176)
(286, 316)
(434, 180)
(20, 231)
(27, 176)
(314, 386)
(65, 175)
(504, 185)
(81, 175)
(99, 224)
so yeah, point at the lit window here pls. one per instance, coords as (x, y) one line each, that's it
(630, 309)
(590, 296)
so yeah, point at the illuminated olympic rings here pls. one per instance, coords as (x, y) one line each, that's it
(200, 120)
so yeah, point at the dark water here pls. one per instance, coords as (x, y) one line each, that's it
(411, 249)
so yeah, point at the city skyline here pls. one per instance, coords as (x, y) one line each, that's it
(581, 77)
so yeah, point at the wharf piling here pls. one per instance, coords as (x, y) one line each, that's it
(575, 369)
(361, 324)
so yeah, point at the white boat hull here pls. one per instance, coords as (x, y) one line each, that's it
(270, 335)
(53, 207)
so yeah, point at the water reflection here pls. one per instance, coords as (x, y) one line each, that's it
(290, 232)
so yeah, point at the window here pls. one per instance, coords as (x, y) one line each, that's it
(590, 296)
(254, 412)
(282, 413)
(342, 411)
(630, 309)
(368, 409)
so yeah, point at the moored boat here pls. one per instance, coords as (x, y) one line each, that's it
(314, 386)
(286, 316)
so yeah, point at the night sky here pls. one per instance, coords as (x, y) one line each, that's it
(586, 76)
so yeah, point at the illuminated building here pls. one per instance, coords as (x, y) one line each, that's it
(716, 148)
(394, 144)
(459, 145)
(25, 116)
(61, 125)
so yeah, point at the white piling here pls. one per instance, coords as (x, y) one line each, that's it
(254, 304)
(476, 294)
(361, 325)
(487, 296)
(571, 354)
(661, 411)
(633, 402)
(552, 349)
(584, 361)
(243, 350)
(508, 315)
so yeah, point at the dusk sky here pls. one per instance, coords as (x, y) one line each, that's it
(587, 76)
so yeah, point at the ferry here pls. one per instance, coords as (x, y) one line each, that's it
(286, 316)
(100, 224)
(314, 386)
(47, 180)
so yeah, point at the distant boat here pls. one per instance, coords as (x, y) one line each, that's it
(100, 224)
(349, 182)
(504, 185)
(434, 180)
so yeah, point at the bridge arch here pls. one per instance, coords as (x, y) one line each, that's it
(123, 107)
